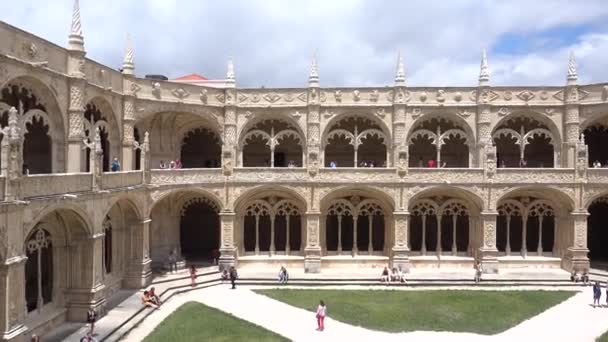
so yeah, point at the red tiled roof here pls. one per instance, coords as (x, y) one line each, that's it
(191, 77)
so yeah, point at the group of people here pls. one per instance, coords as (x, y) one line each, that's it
(396, 275)
(230, 274)
(174, 164)
(150, 299)
(597, 164)
(578, 277)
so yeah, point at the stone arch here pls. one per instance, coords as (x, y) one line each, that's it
(533, 226)
(197, 190)
(595, 132)
(357, 220)
(169, 130)
(356, 140)
(597, 234)
(269, 190)
(443, 220)
(271, 142)
(185, 221)
(526, 139)
(79, 211)
(446, 139)
(42, 120)
(270, 220)
(99, 113)
(57, 241)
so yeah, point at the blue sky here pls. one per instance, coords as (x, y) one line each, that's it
(357, 41)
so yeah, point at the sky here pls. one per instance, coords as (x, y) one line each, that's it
(356, 41)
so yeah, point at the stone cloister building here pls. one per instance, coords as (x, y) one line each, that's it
(312, 178)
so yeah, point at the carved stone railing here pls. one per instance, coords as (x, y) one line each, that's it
(357, 175)
(269, 175)
(445, 175)
(123, 179)
(55, 184)
(186, 176)
(597, 176)
(533, 176)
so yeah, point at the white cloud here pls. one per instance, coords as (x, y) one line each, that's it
(357, 41)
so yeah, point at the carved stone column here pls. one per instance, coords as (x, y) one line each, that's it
(230, 129)
(128, 126)
(12, 298)
(401, 249)
(488, 251)
(139, 273)
(87, 290)
(484, 137)
(572, 113)
(12, 156)
(76, 123)
(227, 249)
(313, 128)
(312, 252)
(576, 255)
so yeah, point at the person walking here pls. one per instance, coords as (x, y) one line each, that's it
(597, 293)
(193, 275)
(321, 312)
(91, 318)
(233, 277)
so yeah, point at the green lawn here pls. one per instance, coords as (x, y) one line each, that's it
(603, 338)
(196, 322)
(483, 312)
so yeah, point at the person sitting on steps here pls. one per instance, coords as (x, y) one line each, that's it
(147, 301)
(283, 275)
(385, 276)
(153, 297)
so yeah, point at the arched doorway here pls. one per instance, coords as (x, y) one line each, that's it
(201, 148)
(597, 232)
(199, 229)
(355, 142)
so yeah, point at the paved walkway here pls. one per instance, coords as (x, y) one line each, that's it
(573, 320)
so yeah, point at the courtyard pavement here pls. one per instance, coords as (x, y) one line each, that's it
(572, 320)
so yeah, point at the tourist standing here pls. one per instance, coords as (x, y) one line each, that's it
(432, 163)
(233, 277)
(115, 167)
(478, 272)
(172, 259)
(321, 312)
(193, 275)
(597, 293)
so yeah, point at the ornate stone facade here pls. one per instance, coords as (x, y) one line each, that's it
(279, 169)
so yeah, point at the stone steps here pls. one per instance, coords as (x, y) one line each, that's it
(410, 283)
(203, 281)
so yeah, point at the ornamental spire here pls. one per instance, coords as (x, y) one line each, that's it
(400, 75)
(484, 71)
(128, 66)
(572, 74)
(313, 78)
(76, 40)
(230, 78)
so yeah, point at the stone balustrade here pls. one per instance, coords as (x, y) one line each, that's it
(55, 184)
(121, 179)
